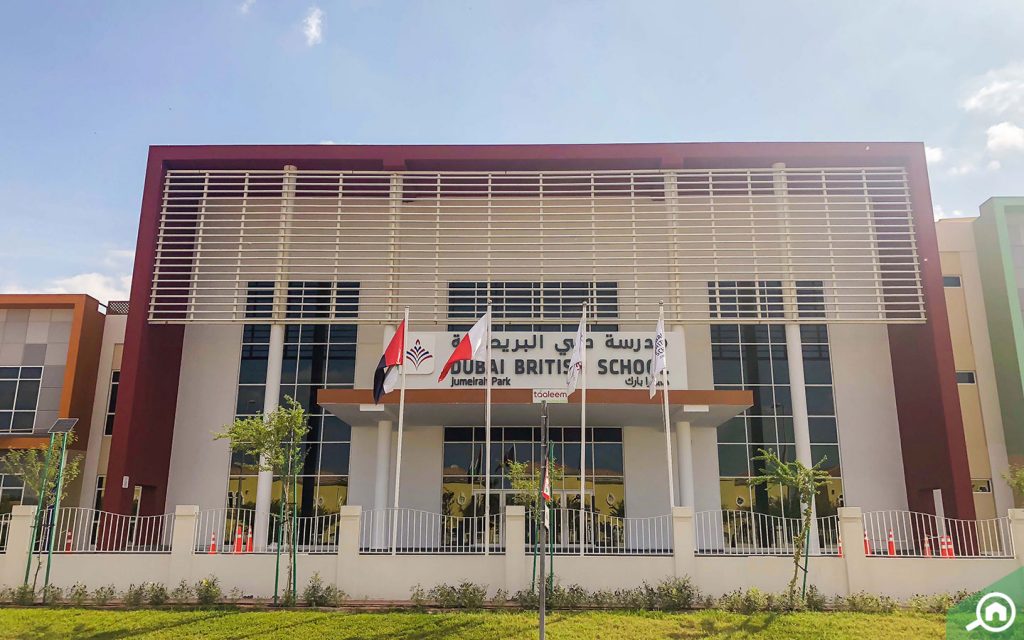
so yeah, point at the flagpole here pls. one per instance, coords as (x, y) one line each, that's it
(583, 433)
(401, 425)
(664, 398)
(487, 440)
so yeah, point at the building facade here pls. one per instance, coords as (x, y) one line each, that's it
(783, 267)
(802, 287)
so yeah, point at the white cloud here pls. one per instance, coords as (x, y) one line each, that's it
(246, 5)
(328, 142)
(962, 169)
(115, 284)
(933, 154)
(1005, 137)
(102, 287)
(313, 26)
(999, 92)
(994, 165)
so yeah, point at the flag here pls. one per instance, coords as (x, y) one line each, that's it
(386, 375)
(545, 490)
(658, 358)
(576, 362)
(472, 346)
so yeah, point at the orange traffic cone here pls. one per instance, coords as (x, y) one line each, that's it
(238, 539)
(248, 542)
(892, 544)
(927, 548)
(67, 542)
(840, 546)
(867, 544)
(950, 553)
(213, 543)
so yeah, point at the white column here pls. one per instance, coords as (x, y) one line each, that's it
(271, 399)
(684, 456)
(380, 485)
(801, 425)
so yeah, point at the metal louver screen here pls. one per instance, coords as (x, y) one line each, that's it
(403, 237)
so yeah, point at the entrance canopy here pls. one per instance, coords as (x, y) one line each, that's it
(515, 407)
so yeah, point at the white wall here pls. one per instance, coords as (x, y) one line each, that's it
(869, 435)
(644, 467)
(207, 390)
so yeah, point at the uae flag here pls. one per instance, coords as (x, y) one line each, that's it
(473, 345)
(385, 377)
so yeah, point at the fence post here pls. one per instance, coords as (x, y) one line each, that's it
(851, 534)
(183, 543)
(683, 542)
(348, 549)
(1016, 517)
(515, 548)
(19, 536)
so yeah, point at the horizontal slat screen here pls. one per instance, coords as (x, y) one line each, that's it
(378, 241)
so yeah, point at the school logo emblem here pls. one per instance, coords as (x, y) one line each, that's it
(420, 356)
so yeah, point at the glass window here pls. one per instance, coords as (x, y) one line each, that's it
(115, 379)
(548, 301)
(951, 281)
(315, 356)
(965, 377)
(19, 395)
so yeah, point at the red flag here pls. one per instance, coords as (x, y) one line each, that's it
(385, 375)
(472, 346)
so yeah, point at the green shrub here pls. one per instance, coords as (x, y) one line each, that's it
(52, 594)
(572, 597)
(750, 601)
(135, 595)
(864, 602)
(156, 594)
(815, 600)
(78, 594)
(235, 595)
(527, 598)
(24, 595)
(676, 594)
(6, 594)
(287, 598)
(103, 595)
(318, 594)
(419, 598)
(936, 603)
(208, 591)
(465, 596)
(183, 593)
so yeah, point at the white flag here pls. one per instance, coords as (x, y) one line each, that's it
(576, 362)
(658, 358)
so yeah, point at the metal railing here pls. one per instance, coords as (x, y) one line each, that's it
(921, 535)
(86, 530)
(410, 531)
(5, 525)
(603, 534)
(234, 530)
(745, 533)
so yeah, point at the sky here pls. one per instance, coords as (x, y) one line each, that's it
(88, 86)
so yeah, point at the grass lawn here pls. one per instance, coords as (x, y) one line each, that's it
(299, 625)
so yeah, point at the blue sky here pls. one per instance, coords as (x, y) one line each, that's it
(89, 85)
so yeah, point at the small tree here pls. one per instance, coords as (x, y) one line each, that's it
(805, 482)
(275, 441)
(1014, 477)
(31, 465)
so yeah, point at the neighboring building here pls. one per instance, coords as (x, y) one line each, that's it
(49, 352)
(999, 237)
(802, 292)
(970, 325)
